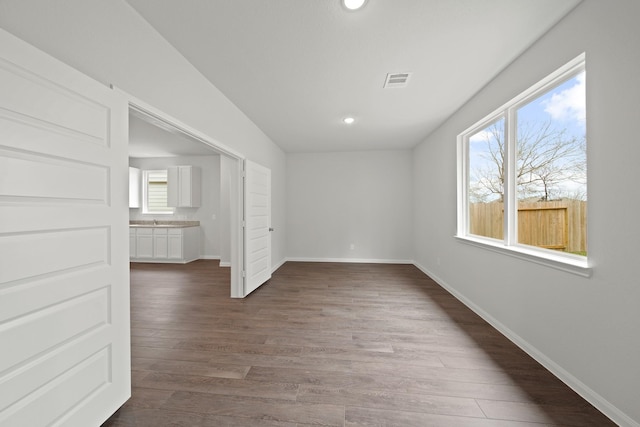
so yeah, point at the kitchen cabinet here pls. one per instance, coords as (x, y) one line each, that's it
(135, 187)
(132, 243)
(160, 247)
(175, 240)
(184, 244)
(144, 243)
(183, 186)
(164, 244)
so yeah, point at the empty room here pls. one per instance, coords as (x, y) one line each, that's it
(287, 213)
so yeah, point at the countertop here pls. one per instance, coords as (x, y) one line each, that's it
(163, 224)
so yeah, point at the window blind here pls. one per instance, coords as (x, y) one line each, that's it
(157, 191)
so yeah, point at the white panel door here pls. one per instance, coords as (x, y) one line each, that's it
(257, 231)
(64, 282)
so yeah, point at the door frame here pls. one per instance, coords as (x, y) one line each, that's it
(236, 208)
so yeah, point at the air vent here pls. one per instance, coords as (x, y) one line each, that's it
(396, 80)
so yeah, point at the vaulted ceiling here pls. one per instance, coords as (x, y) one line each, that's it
(296, 68)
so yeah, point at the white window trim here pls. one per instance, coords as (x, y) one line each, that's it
(562, 261)
(145, 189)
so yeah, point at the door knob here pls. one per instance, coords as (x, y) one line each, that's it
(270, 229)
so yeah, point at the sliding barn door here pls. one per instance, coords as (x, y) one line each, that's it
(64, 287)
(257, 230)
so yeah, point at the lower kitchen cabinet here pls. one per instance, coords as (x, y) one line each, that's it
(183, 243)
(132, 243)
(160, 250)
(144, 243)
(164, 244)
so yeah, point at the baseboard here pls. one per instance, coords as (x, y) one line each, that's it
(278, 265)
(209, 256)
(602, 404)
(228, 263)
(351, 260)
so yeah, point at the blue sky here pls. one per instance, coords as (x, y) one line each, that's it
(564, 106)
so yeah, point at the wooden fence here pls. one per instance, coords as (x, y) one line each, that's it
(560, 225)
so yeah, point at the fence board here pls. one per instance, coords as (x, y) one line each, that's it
(558, 224)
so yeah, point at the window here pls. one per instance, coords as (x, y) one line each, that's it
(155, 192)
(523, 174)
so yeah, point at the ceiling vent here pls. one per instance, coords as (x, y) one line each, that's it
(396, 80)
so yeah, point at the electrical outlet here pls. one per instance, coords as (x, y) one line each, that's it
(352, 246)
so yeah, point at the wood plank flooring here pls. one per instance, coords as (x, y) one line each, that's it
(327, 344)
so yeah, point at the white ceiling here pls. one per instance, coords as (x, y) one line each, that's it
(296, 68)
(153, 139)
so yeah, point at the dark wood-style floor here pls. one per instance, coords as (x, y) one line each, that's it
(327, 344)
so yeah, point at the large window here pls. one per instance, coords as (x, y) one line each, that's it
(155, 192)
(523, 173)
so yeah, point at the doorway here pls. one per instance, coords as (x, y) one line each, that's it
(228, 217)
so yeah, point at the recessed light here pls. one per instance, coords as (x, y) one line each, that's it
(348, 120)
(353, 4)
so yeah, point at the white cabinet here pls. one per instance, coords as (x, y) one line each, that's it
(132, 243)
(160, 247)
(164, 244)
(183, 186)
(144, 243)
(184, 243)
(135, 187)
(175, 240)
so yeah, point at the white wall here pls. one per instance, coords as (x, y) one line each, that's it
(338, 199)
(584, 329)
(110, 42)
(210, 199)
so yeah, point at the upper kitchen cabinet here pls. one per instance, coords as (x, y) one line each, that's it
(183, 186)
(135, 185)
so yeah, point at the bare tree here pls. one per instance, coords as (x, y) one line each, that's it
(546, 157)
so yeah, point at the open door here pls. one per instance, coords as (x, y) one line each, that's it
(64, 282)
(257, 230)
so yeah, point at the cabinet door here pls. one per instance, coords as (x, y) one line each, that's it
(183, 186)
(132, 243)
(144, 243)
(191, 243)
(175, 242)
(160, 243)
(195, 179)
(173, 186)
(135, 185)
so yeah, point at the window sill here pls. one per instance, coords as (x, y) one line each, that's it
(565, 263)
(158, 213)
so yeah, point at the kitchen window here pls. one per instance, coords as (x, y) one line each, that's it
(155, 192)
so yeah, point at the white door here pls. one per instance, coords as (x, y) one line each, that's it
(257, 230)
(64, 283)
